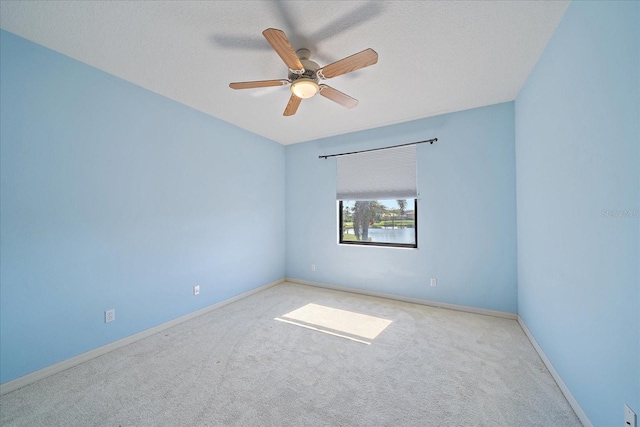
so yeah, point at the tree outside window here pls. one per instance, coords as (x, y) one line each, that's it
(378, 222)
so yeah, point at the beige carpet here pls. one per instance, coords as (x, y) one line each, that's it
(294, 355)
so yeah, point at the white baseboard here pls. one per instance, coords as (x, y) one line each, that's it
(20, 382)
(582, 416)
(431, 303)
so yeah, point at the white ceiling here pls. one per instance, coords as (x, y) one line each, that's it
(434, 56)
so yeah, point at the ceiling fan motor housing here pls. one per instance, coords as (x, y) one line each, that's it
(310, 67)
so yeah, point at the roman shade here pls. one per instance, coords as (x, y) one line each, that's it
(378, 174)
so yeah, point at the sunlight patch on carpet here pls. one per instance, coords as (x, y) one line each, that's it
(337, 322)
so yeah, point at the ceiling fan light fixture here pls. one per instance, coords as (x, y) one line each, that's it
(304, 88)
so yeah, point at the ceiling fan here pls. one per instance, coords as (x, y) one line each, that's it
(304, 74)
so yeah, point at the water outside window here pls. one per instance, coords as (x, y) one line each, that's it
(383, 222)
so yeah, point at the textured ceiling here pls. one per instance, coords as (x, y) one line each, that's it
(434, 57)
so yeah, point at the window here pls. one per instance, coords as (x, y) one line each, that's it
(377, 197)
(379, 222)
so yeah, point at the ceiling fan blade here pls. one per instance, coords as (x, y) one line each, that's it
(292, 106)
(351, 63)
(280, 43)
(258, 83)
(337, 96)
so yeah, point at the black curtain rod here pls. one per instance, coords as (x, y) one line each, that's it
(430, 141)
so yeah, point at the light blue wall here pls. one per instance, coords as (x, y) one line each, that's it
(115, 197)
(466, 213)
(577, 150)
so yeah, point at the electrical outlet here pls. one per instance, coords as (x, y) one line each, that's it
(110, 315)
(434, 282)
(196, 290)
(313, 267)
(630, 419)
